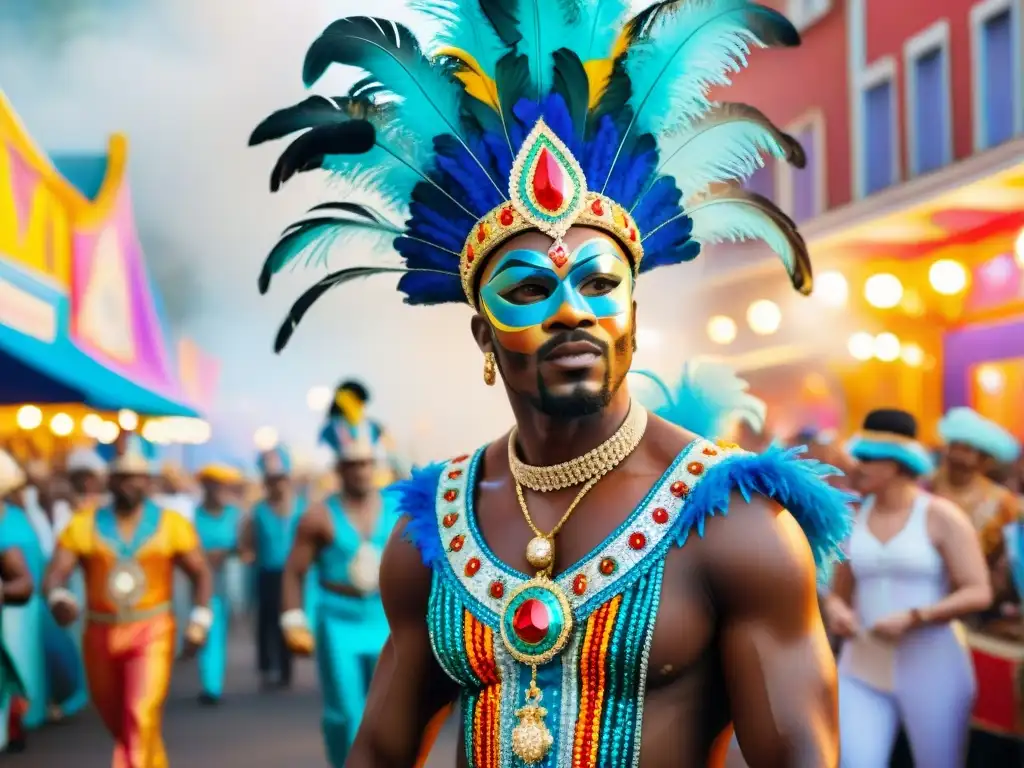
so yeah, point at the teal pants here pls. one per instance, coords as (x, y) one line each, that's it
(349, 636)
(213, 658)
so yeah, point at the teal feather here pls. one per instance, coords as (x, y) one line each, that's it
(727, 144)
(465, 26)
(600, 26)
(544, 26)
(706, 397)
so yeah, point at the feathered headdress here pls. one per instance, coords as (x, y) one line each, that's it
(347, 430)
(533, 114)
(707, 396)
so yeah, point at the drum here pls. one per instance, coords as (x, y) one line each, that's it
(999, 669)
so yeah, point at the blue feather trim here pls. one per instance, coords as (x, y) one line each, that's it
(823, 512)
(417, 501)
(913, 456)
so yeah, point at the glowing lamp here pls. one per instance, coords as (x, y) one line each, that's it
(831, 289)
(861, 346)
(948, 277)
(265, 438)
(318, 398)
(912, 355)
(883, 291)
(29, 417)
(91, 425)
(108, 433)
(62, 425)
(128, 420)
(722, 329)
(887, 347)
(991, 380)
(764, 317)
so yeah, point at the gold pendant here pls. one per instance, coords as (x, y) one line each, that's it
(531, 739)
(540, 553)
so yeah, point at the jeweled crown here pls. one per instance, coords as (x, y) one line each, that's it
(547, 192)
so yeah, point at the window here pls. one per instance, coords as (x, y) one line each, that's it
(929, 130)
(802, 190)
(996, 57)
(880, 159)
(803, 13)
(763, 180)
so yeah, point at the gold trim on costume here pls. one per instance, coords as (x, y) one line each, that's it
(128, 616)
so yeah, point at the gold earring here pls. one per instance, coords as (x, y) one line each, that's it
(490, 369)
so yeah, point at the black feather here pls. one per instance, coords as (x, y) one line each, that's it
(503, 17)
(366, 88)
(570, 81)
(640, 25)
(308, 151)
(614, 100)
(310, 297)
(310, 113)
(356, 209)
(346, 41)
(512, 77)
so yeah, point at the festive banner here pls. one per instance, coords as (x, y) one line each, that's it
(199, 374)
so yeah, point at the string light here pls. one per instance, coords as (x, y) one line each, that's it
(128, 420)
(108, 433)
(722, 329)
(831, 289)
(887, 347)
(265, 438)
(861, 346)
(883, 291)
(29, 417)
(62, 425)
(92, 424)
(912, 355)
(764, 317)
(318, 398)
(948, 277)
(991, 380)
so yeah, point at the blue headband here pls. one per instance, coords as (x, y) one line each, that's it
(276, 462)
(908, 453)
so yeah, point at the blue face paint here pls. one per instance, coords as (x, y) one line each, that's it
(524, 289)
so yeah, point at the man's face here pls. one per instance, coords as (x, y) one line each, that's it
(963, 460)
(217, 493)
(276, 485)
(872, 477)
(357, 477)
(563, 333)
(129, 490)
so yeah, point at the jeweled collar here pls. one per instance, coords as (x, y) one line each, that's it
(607, 570)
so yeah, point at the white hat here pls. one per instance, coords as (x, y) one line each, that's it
(132, 462)
(964, 425)
(85, 460)
(12, 476)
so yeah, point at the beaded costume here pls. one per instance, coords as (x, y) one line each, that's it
(548, 116)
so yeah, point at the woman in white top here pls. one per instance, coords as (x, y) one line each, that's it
(914, 566)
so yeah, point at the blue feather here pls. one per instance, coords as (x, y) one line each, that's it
(464, 26)
(599, 26)
(416, 502)
(798, 485)
(428, 289)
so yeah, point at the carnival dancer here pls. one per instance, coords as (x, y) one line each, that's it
(344, 537)
(914, 568)
(128, 551)
(973, 445)
(267, 538)
(533, 169)
(218, 523)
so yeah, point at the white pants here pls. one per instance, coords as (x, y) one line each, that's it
(932, 697)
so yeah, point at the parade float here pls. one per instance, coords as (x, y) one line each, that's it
(84, 348)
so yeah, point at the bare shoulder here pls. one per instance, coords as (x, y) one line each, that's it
(405, 580)
(664, 441)
(946, 517)
(314, 522)
(756, 557)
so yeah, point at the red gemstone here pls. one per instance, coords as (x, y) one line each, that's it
(451, 495)
(660, 515)
(608, 566)
(456, 544)
(558, 255)
(455, 474)
(637, 541)
(469, 254)
(695, 468)
(579, 584)
(597, 208)
(472, 566)
(506, 217)
(679, 489)
(497, 590)
(532, 621)
(632, 235)
(449, 520)
(710, 452)
(550, 184)
(481, 233)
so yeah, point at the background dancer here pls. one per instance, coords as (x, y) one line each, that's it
(344, 537)
(266, 540)
(915, 566)
(217, 522)
(128, 551)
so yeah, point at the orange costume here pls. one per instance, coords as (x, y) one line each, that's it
(129, 640)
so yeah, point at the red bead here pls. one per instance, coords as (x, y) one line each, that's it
(451, 495)
(597, 208)
(637, 541)
(679, 489)
(632, 235)
(455, 474)
(550, 183)
(457, 543)
(506, 217)
(469, 254)
(710, 452)
(531, 621)
(660, 515)
(472, 566)
(695, 468)
(449, 519)
(608, 566)
(497, 590)
(460, 459)
(579, 584)
(558, 255)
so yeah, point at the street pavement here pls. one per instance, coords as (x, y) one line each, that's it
(251, 729)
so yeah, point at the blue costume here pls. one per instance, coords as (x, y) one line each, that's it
(545, 118)
(218, 532)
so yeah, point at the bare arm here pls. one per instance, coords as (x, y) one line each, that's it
(312, 533)
(62, 564)
(17, 579)
(247, 541)
(409, 687)
(779, 670)
(193, 563)
(957, 542)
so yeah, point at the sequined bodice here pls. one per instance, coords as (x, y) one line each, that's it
(593, 689)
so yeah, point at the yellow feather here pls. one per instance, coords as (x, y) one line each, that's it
(478, 83)
(599, 72)
(350, 405)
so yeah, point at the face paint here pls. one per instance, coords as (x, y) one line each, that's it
(525, 290)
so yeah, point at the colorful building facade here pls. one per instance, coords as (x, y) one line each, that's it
(912, 203)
